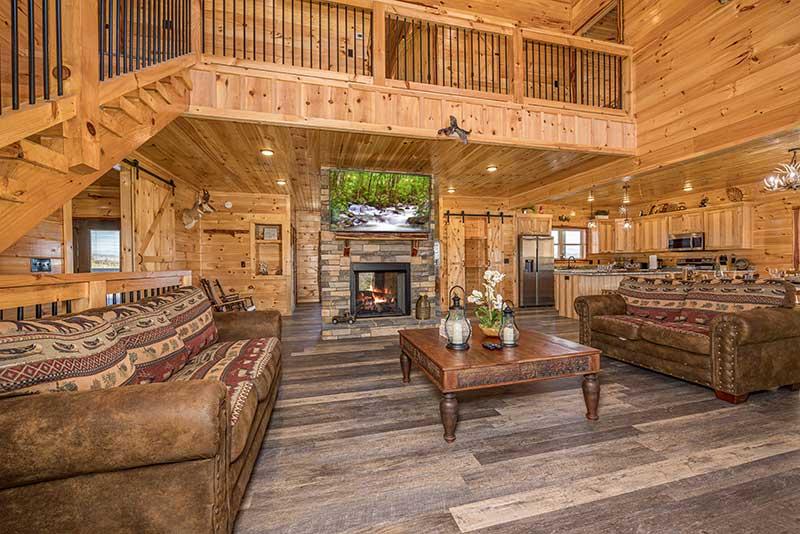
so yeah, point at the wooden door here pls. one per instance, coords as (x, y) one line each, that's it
(455, 268)
(153, 224)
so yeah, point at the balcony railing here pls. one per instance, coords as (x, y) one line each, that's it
(31, 65)
(136, 34)
(298, 33)
(408, 46)
(32, 296)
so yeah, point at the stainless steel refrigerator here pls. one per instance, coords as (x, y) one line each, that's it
(536, 265)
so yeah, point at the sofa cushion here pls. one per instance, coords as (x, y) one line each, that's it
(621, 326)
(684, 336)
(247, 368)
(707, 300)
(661, 300)
(154, 346)
(190, 312)
(75, 353)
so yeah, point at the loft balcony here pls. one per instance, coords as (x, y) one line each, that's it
(385, 68)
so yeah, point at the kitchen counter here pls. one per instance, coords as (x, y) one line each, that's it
(573, 283)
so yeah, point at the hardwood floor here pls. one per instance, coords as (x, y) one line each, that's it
(352, 449)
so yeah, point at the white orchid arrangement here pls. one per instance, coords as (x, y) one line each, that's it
(489, 302)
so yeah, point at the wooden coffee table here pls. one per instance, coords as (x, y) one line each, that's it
(538, 357)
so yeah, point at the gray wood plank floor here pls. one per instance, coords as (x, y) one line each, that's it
(351, 449)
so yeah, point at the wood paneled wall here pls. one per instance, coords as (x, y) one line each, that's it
(225, 247)
(307, 228)
(101, 200)
(710, 75)
(583, 11)
(772, 227)
(44, 241)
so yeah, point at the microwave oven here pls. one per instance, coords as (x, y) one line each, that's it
(680, 242)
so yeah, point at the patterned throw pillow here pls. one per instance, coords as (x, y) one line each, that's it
(651, 298)
(709, 299)
(75, 353)
(154, 346)
(190, 312)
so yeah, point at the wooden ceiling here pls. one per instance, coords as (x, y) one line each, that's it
(225, 156)
(745, 164)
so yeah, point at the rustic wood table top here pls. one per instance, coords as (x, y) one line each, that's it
(539, 356)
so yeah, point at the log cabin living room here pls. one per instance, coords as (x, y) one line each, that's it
(388, 266)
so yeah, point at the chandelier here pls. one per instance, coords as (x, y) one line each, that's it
(786, 177)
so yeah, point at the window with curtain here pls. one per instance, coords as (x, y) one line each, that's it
(569, 242)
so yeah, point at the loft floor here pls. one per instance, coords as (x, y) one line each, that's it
(351, 449)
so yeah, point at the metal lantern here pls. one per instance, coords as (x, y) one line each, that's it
(509, 333)
(456, 325)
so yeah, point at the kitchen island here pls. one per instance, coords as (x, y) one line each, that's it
(571, 284)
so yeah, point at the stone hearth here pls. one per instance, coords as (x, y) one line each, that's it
(336, 273)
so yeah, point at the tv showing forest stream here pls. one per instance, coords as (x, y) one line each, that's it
(367, 201)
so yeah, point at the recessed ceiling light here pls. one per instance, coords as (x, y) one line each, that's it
(267, 152)
(280, 181)
(491, 168)
(687, 187)
(451, 189)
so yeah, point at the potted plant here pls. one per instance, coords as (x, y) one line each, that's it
(490, 304)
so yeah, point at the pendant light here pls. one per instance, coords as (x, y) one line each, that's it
(592, 222)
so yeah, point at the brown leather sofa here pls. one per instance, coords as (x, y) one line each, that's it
(733, 337)
(172, 453)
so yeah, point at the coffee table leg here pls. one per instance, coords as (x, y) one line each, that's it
(449, 409)
(591, 395)
(405, 363)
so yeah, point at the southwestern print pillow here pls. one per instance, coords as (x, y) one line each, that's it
(74, 353)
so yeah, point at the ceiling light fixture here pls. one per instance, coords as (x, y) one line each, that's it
(688, 187)
(267, 152)
(592, 222)
(626, 196)
(280, 181)
(786, 177)
(451, 189)
(491, 168)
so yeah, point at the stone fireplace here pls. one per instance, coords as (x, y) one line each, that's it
(376, 277)
(380, 289)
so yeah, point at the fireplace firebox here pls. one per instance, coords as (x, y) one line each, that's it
(380, 289)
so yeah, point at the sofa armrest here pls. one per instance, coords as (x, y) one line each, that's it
(593, 305)
(758, 326)
(234, 326)
(61, 435)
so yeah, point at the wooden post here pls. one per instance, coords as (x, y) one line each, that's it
(628, 103)
(197, 28)
(67, 246)
(83, 65)
(379, 43)
(519, 66)
(126, 176)
(97, 293)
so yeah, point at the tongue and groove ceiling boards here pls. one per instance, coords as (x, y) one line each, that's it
(226, 156)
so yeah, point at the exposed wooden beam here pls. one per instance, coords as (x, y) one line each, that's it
(35, 154)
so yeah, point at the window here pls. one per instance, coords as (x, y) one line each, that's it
(104, 246)
(569, 242)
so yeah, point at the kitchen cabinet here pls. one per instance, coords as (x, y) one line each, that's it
(728, 227)
(624, 238)
(528, 224)
(602, 237)
(686, 223)
(651, 234)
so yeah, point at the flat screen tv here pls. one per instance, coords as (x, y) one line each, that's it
(367, 201)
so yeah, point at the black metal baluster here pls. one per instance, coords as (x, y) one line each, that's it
(363, 42)
(110, 48)
(31, 53)
(117, 43)
(244, 29)
(338, 55)
(101, 34)
(53, 309)
(131, 49)
(328, 5)
(372, 45)
(505, 62)
(421, 53)
(493, 52)
(20, 313)
(302, 37)
(38, 311)
(69, 306)
(486, 59)
(46, 48)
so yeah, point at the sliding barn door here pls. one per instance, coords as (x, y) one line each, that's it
(153, 225)
(455, 268)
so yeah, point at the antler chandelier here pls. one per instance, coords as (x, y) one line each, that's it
(786, 177)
